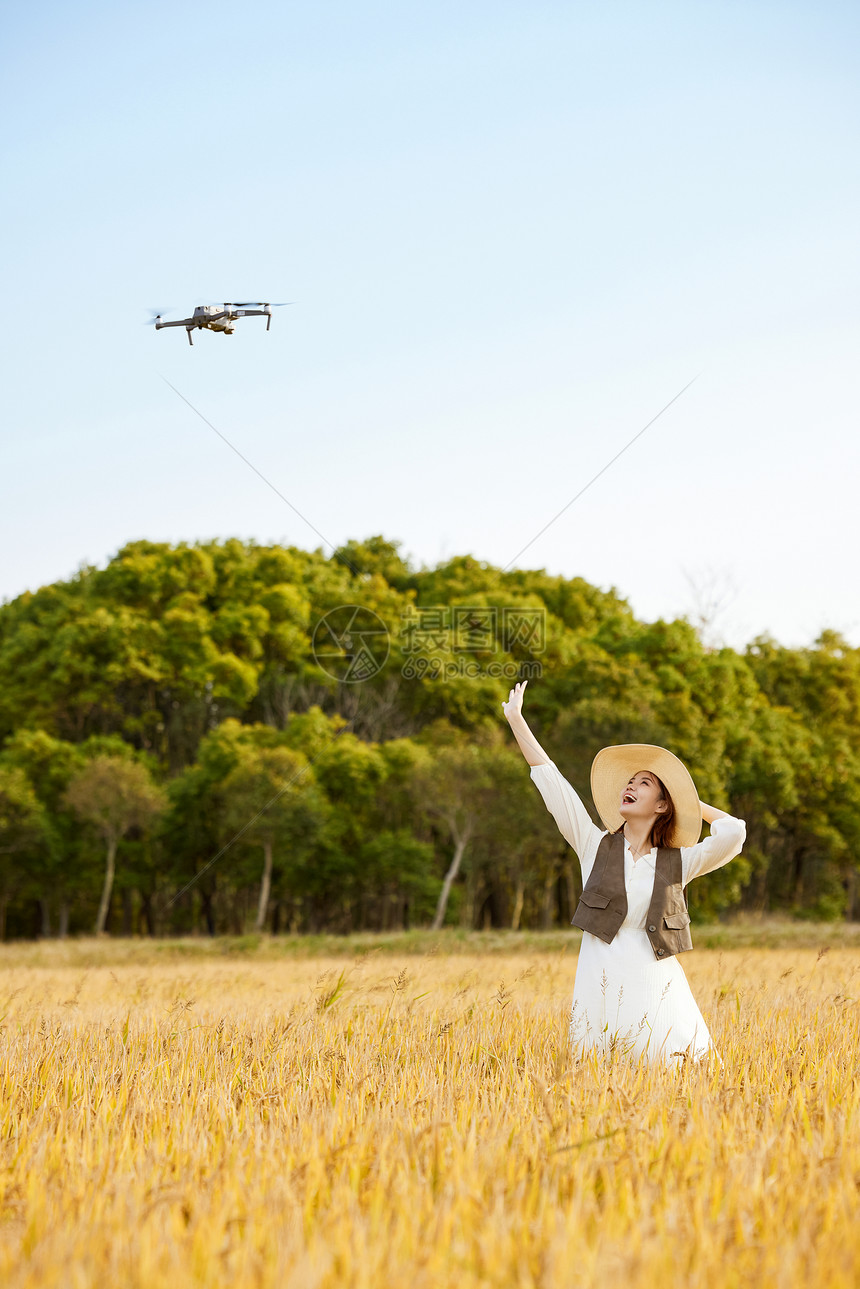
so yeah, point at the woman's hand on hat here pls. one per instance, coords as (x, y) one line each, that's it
(514, 706)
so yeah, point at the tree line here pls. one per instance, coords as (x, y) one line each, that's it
(224, 736)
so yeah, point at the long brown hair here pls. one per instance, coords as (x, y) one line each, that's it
(664, 827)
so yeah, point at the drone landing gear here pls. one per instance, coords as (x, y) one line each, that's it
(190, 341)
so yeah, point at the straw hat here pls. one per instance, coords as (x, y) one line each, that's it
(614, 767)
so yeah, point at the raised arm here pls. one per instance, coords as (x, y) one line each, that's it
(725, 842)
(513, 709)
(710, 813)
(561, 800)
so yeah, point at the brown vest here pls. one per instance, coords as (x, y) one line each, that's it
(603, 906)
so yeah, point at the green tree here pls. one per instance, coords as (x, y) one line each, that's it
(453, 788)
(270, 801)
(114, 795)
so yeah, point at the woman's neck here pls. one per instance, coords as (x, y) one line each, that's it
(638, 837)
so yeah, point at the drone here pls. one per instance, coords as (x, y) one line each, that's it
(220, 317)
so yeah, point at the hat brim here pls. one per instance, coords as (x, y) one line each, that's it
(614, 767)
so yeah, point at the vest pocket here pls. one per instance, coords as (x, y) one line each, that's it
(595, 899)
(677, 921)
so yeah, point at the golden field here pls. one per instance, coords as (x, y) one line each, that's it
(374, 1121)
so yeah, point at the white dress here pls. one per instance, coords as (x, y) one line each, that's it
(624, 999)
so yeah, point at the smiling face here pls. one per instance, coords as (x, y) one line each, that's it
(643, 798)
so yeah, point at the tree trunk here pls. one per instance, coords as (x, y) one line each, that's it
(110, 869)
(207, 911)
(467, 908)
(799, 874)
(454, 868)
(127, 913)
(761, 885)
(45, 909)
(265, 887)
(546, 918)
(518, 905)
(296, 915)
(147, 911)
(64, 919)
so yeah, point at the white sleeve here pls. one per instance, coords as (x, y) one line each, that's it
(560, 799)
(725, 842)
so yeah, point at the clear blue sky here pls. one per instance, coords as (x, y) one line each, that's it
(512, 232)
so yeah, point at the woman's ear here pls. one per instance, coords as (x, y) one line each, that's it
(661, 805)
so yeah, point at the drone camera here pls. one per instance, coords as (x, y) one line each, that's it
(220, 317)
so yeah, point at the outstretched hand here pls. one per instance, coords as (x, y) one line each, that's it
(514, 705)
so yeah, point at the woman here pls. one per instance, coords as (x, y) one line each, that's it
(630, 993)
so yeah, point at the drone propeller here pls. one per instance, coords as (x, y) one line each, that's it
(264, 304)
(154, 315)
